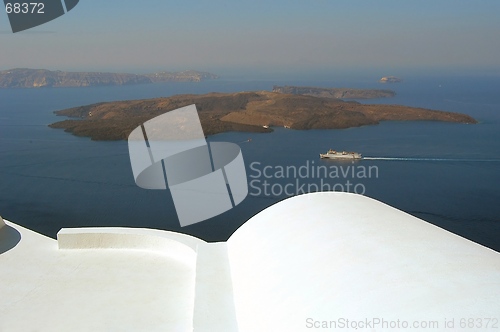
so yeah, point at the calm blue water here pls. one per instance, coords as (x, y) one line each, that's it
(447, 174)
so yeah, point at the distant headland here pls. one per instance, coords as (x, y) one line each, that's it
(243, 111)
(42, 78)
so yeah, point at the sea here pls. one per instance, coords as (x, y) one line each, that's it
(444, 173)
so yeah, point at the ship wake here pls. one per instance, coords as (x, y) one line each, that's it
(430, 159)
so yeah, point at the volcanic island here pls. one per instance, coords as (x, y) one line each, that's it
(256, 111)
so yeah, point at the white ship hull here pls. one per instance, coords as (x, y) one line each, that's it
(341, 155)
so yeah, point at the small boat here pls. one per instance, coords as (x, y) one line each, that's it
(332, 154)
(265, 126)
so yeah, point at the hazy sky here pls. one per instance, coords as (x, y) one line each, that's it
(150, 35)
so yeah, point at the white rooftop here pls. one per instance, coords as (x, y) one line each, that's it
(307, 261)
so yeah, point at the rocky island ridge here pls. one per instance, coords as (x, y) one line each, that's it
(337, 93)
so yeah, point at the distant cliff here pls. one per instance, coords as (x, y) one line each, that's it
(37, 78)
(243, 111)
(338, 93)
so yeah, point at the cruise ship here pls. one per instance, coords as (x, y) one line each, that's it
(332, 154)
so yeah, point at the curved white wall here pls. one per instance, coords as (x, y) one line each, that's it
(327, 256)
